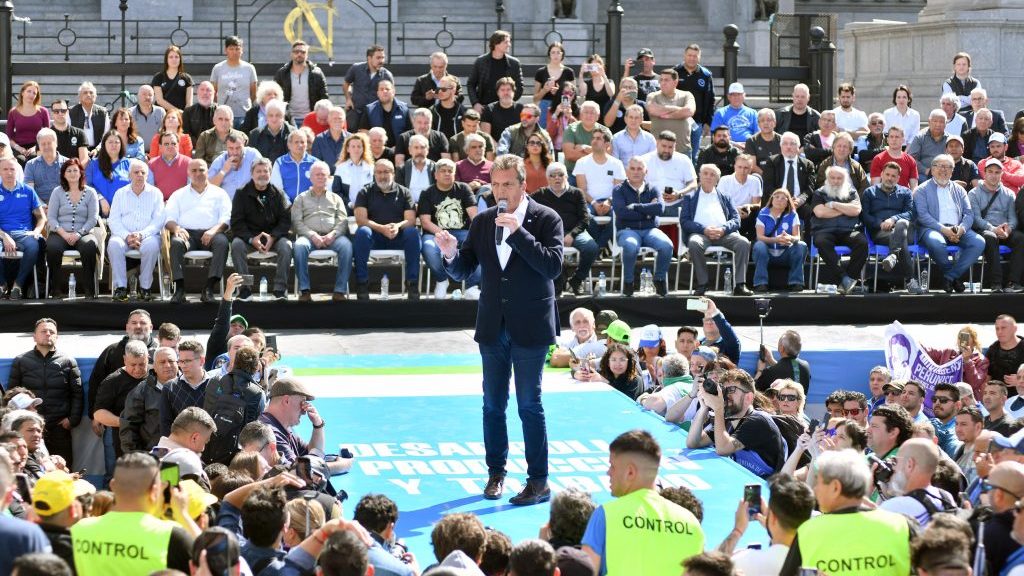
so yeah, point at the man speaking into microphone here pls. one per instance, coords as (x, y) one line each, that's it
(518, 246)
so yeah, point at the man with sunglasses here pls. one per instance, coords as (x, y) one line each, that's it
(945, 406)
(70, 139)
(738, 430)
(447, 111)
(514, 139)
(1004, 486)
(911, 482)
(789, 365)
(855, 407)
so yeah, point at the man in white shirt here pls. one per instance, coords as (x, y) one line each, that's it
(848, 118)
(744, 191)
(791, 504)
(597, 174)
(197, 216)
(136, 215)
(671, 172)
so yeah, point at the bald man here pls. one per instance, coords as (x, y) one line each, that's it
(1007, 484)
(911, 483)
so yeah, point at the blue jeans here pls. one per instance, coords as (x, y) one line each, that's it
(631, 240)
(695, 134)
(601, 233)
(544, 106)
(432, 257)
(21, 269)
(792, 257)
(498, 360)
(341, 246)
(408, 240)
(971, 246)
(589, 250)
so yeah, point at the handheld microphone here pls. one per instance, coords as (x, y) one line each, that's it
(498, 230)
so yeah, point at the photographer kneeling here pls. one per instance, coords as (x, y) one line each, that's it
(750, 436)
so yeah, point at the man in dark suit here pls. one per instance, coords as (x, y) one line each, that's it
(979, 100)
(89, 117)
(794, 173)
(519, 251)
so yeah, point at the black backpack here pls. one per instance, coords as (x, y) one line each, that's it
(226, 405)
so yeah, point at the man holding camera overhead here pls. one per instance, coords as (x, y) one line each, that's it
(749, 436)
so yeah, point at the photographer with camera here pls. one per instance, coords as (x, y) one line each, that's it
(914, 495)
(787, 366)
(750, 436)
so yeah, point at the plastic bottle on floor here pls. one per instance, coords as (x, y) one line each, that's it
(384, 287)
(72, 286)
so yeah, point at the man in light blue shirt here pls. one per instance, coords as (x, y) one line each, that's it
(232, 169)
(741, 119)
(633, 140)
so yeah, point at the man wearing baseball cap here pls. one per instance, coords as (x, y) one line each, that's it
(965, 171)
(740, 118)
(289, 401)
(995, 220)
(1013, 170)
(55, 500)
(646, 78)
(617, 331)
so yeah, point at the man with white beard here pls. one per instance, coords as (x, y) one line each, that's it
(836, 208)
(911, 482)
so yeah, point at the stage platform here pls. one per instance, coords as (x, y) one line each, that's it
(806, 308)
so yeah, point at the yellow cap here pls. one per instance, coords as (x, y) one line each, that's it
(56, 490)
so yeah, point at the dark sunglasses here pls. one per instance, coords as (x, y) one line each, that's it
(732, 389)
(942, 399)
(788, 397)
(59, 110)
(852, 411)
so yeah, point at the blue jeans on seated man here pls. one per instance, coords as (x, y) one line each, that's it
(695, 135)
(407, 240)
(20, 269)
(631, 240)
(971, 247)
(792, 257)
(588, 250)
(432, 257)
(498, 359)
(341, 246)
(601, 233)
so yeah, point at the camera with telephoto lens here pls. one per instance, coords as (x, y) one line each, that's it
(883, 468)
(710, 386)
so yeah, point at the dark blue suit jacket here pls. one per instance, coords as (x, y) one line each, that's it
(689, 211)
(523, 294)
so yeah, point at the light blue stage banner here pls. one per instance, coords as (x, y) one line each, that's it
(427, 454)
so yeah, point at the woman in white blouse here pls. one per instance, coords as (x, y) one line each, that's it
(901, 114)
(354, 168)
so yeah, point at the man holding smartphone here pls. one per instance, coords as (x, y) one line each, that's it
(670, 171)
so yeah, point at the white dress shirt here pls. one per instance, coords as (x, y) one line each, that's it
(504, 250)
(194, 211)
(948, 212)
(130, 212)
(709, 209)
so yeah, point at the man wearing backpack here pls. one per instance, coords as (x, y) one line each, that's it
(911, 481)
(750, 436)
(233, 400)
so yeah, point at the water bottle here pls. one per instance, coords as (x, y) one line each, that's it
(924, 279)
(727, 280)
(645, 282)
(457, 294)
(602, 285)
(263, 288)
(384, 287)
(72, 285)
(133, 284)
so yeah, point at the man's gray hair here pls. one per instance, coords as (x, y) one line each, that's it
(87, 86)
(378, 130)
(510, 162)
(136, 163)
(591, 104)
(675, 365)
(847, 466)
(790, 343)
(638, 159)
(256, 433)
(790, 136)
(471, 138)
(45, 133)
(950, 98)
(136, 349)
(266, 87)
(712, 167)
(224, 109)
(943, 158)
(419, 138)
(980, 92)
(581, 311)
(439, 56)
(938, 113)
(444, 163)
(261, 161)
(322, 165)
(422, 112)
(173, 352)
(556, 168)
(981, 112)
(278, 105)
(881, 370)
(324, 104)
(191, 418)
(15, 419)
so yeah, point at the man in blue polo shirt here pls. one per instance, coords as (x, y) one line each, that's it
(740, 118)
(19, 207)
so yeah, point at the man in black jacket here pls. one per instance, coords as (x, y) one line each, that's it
(260, 221)
(793, 172)
(488, 68)
(787, 366)
(55, 379)
(111, 395)
(571, 205)
(297, 73)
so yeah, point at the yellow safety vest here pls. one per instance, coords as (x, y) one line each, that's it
(647, 534)
(116, 543)
(871, 543)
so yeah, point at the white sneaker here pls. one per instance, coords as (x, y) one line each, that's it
(472, 293)
(441, 290)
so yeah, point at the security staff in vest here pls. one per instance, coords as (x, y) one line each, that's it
(130, 539)
(639, 532)
(847, 539)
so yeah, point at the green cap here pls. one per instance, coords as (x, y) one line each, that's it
(618, 331)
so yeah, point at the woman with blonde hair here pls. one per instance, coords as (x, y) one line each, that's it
(968, 346)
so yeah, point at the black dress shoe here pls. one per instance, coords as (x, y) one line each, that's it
(661, 287)
(741, 290)
(206, 295)
(700, 290)
(412, 290)
(362, 291)
(145, 294)
(177, 298)
(761, 289)
(495, 486)
(947, 286)
(534, 493)
(576, 287)
(796, 287)
(958, 286)
(628, 288)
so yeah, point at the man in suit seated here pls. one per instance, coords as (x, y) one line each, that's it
(518, 246)
(944, 217)
(793, 172)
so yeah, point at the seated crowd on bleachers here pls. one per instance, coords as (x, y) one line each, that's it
(226, 168)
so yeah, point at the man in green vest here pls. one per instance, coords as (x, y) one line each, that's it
(848, 539)
(130, 539)
(639, 532)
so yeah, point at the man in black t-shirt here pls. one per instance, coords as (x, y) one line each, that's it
(1006, 354)
(749, 436)
(70, 140)
(447, 205)
(499, 115)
